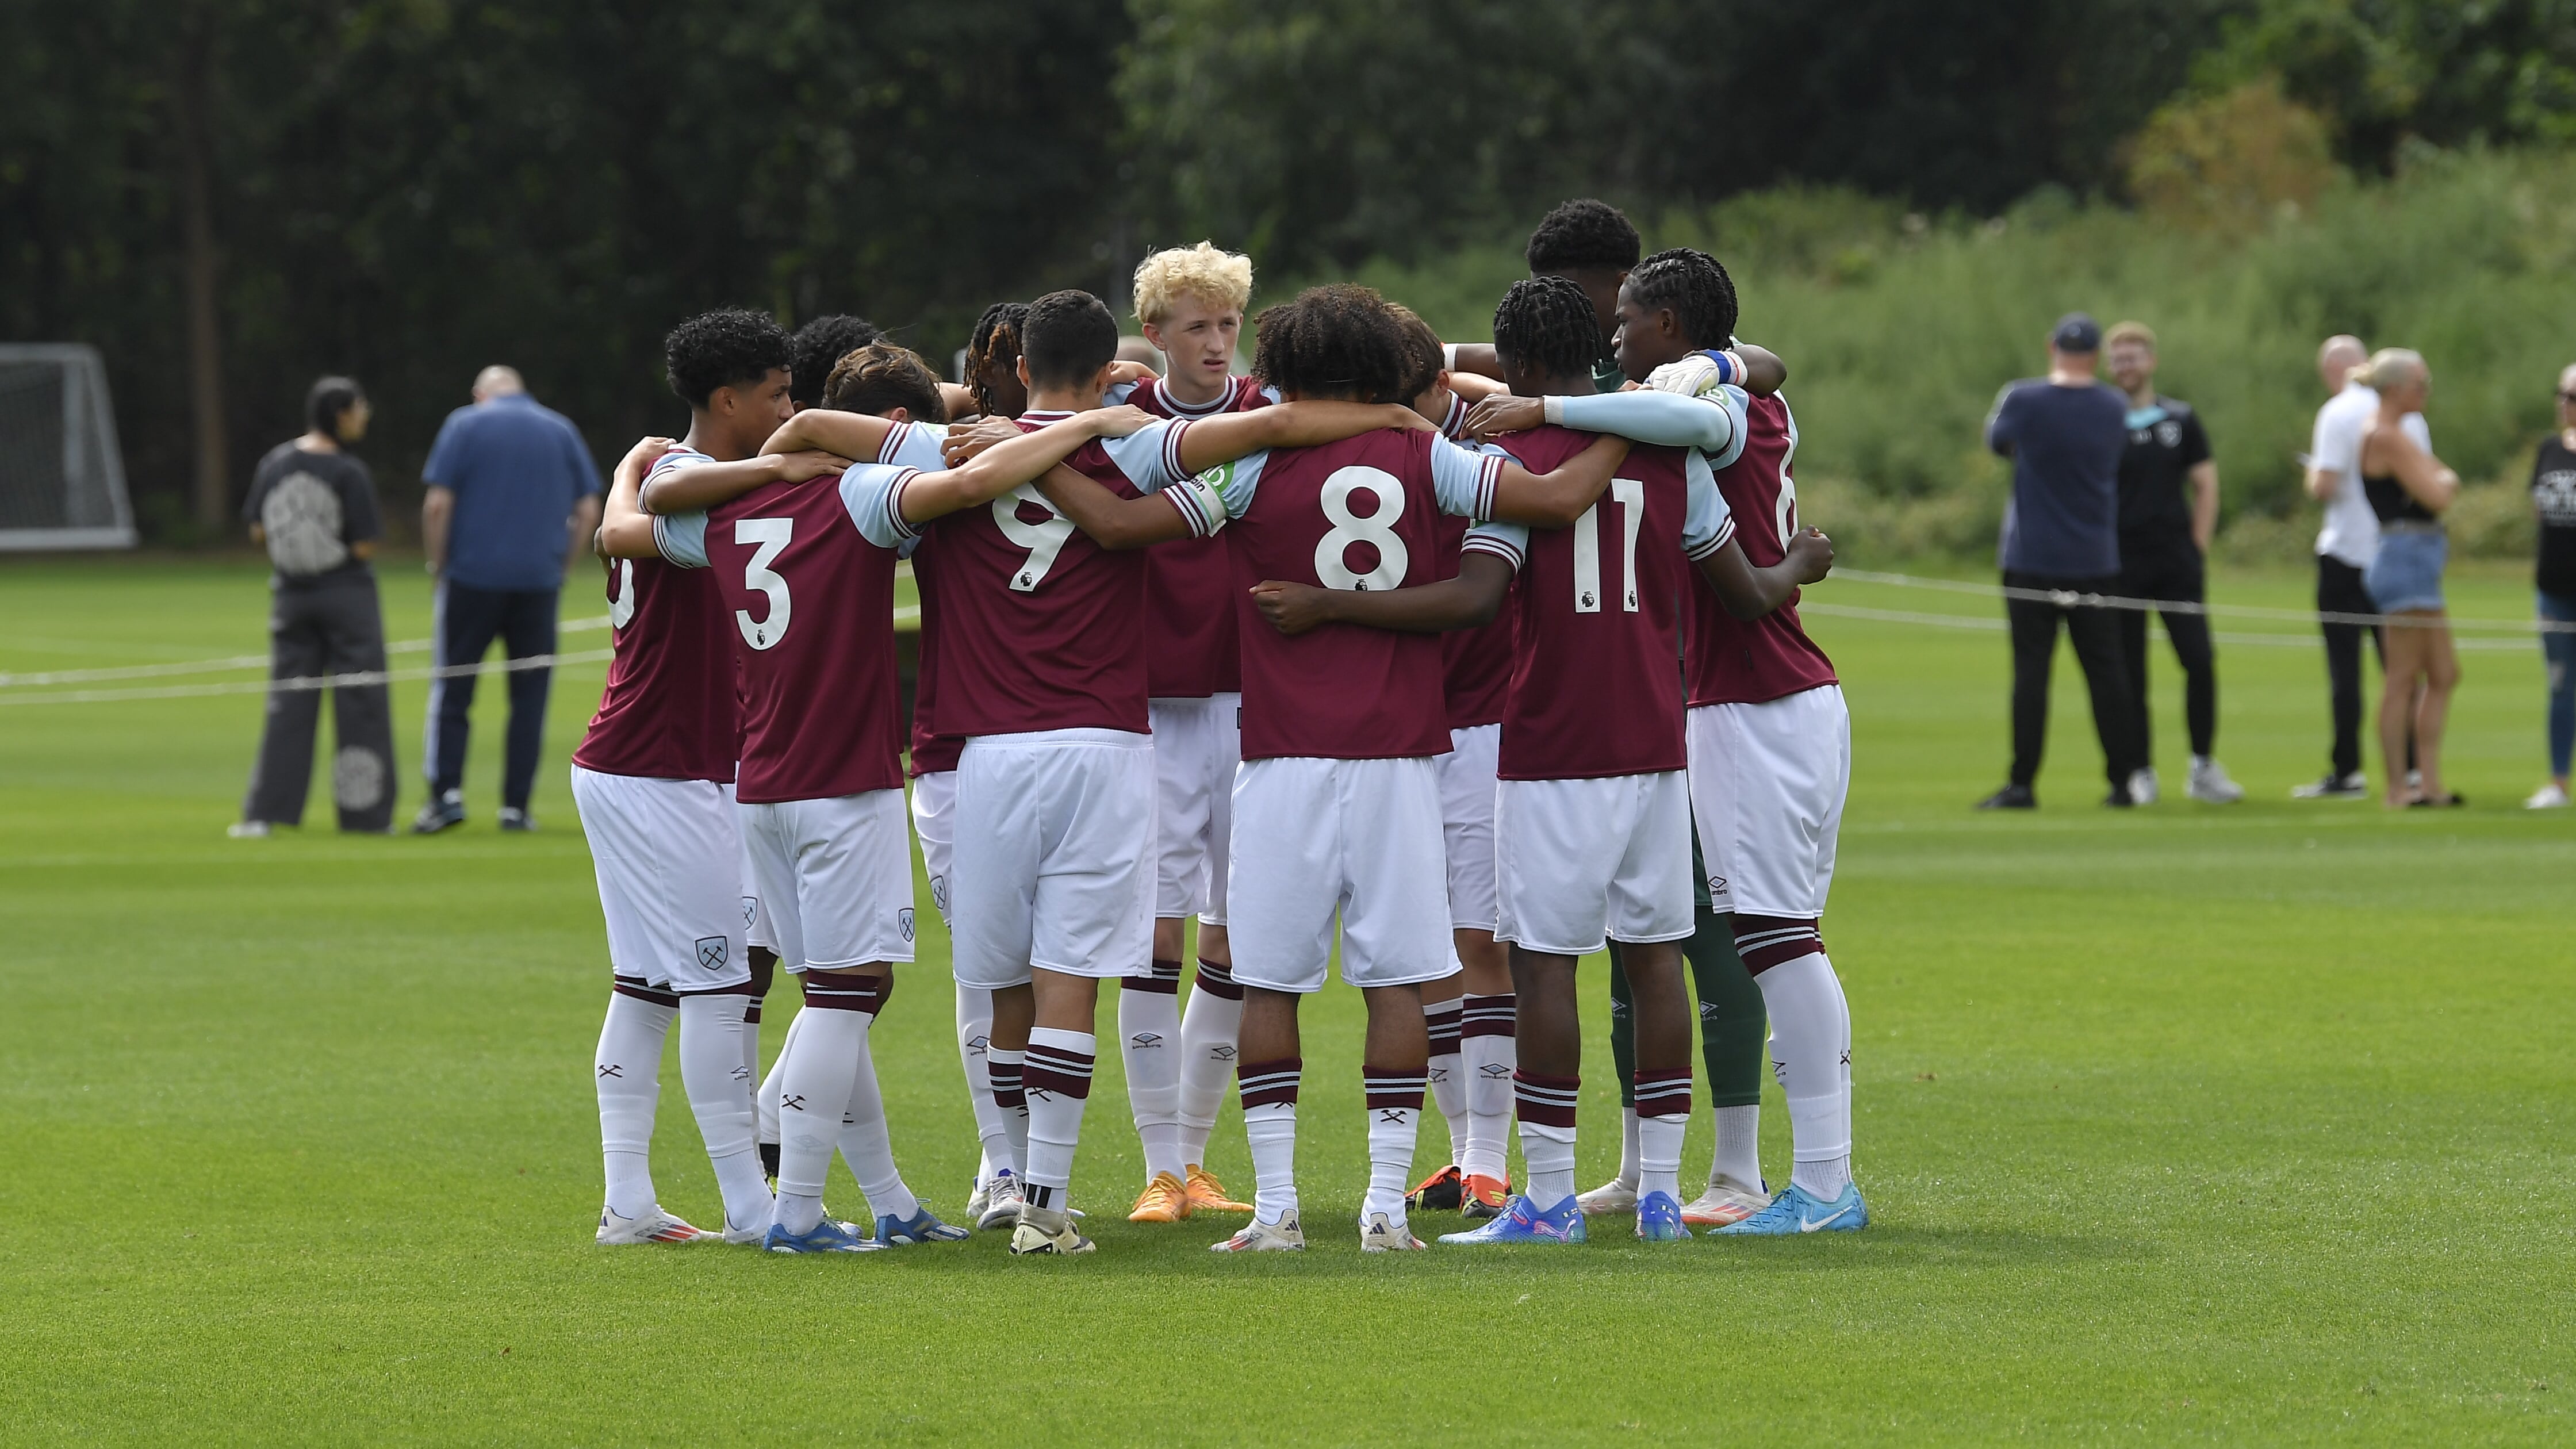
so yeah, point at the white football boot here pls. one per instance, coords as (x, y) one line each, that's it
(2209, 783)
(1614, 1196)
(653, 1226)
(1378, 1235)
(1283, 1236)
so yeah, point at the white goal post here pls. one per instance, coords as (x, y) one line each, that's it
(62, 480)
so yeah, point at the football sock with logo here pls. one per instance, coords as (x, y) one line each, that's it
(974, 1036)
(815, 1074)
(1209, 1030)
(764, 972)
(1011, 1101)
(1394, 1119)
(1547, 1135)
(719, 1088)
(1490, 1054)
(1732, 1025)
(1661, 1116)
(1057, 1078)
(1269, 1093)
(1149, 1042)
(1810, 1045)
(1448, 1073)
(766, 1099)
(628, 1067)
(865, 1144)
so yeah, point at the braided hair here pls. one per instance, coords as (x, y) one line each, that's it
(816, 346)
(1336, 341)
(880, 377)
(1546, 325)
(1697, 289)
(994, 343)
(1583, 233)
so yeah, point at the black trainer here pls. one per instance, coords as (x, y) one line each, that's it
(440, 813)
(2010, 797)
(514, 818)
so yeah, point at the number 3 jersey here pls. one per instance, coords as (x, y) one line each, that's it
(1039, 627)
(1362, 513)
(1596, 613)
(668, 712)
(1753, 661)
(806, 575)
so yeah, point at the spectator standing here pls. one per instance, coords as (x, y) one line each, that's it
(2553, 497)
(2065, 434)
(2346, 544)
(2164, 550)
(512, 491)
(2409, 490)
(313, 506)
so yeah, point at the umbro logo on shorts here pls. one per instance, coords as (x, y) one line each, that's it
(711, 952)
(903, 922)
(1717, 885)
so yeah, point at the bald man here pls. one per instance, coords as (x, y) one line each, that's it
(512, 495)
(2345, 546)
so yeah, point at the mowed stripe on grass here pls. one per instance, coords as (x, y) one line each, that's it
(2187, 1121)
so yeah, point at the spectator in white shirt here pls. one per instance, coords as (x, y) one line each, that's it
(2345, 547)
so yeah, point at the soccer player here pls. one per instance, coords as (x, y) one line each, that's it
(1042, 669)
(1336, 806)
(813, 350)
(1769, 736)
(821, 791)
(653, 780)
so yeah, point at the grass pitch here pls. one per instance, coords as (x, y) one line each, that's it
(2179, 1123)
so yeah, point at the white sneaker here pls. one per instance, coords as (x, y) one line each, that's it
(2547, 797)
(1613, 1196)
(1283, 1236)
(1002, 1198)
(1723, 1205)
(654, 1226)
(1047, 1231)
(1377, 1235)
(247, 830)
(2142, 785)
(753, 1235)
(977, 1200)
(2209, 783)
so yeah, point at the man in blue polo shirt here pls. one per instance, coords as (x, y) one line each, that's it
(2064, 433)
(512, 492)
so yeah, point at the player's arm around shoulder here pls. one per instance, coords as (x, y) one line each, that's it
(1554, 499)
(1013, 461)
(703, 485)
(1490, 558)
(1307, 423)
(625, 529)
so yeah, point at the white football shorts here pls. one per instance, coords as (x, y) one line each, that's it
(934, 823)
(835, 876)
(1467, 819)
(1197, 744)
(756, 930)
(1767, 784)
(1360, 838)
(1051, 867)
(1578, 861)
(669, 863)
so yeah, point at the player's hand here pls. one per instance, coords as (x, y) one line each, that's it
(646, 452)
(809, 463)
(1504, 415)
(1811, 554)
(1292, 609)
(1119, 421)
(963, 443)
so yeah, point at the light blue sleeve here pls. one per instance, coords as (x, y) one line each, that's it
(915, 445)
(1706, 522)
(681, 539)
(1150, 456)
(1506, 541)
(1668, 419)
(1220, 493)
(872, 494)
(1462, 482)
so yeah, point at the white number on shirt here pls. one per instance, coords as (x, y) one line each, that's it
(1788, 490)
(1630, 495)
(621, 609)
(1376, 529)
(771, 535)
(1043, 540)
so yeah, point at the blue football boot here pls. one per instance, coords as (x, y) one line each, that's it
(828, 1237)
(921, 1227)
(1522, 1222)
(1797, 1210)
(1659, 1219)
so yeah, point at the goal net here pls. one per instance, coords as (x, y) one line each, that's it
(62, 480)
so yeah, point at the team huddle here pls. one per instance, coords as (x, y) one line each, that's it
(1487, 656)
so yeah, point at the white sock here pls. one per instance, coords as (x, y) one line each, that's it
(1448, 1073)
(1810, 1053)
(719, 1088)
(865, 1144)
(1011, 1102)
(628, 1066)
(1149, 1042)
(767, 1099)
(1057, 1077)
(1659, 1155)
(1630, 1163)
(1209, 1029)
(1394, 1100)
(1490, 1054)
(1269, 1092)
(1549, 1154)
(974, 1035)
(814, 1074)
(1738, 1163)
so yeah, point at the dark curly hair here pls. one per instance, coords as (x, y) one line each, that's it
(1067, 337)
(994, 342)
(723, 348)
(880, 377)
(1423, 357)
(1336, 341)
(1695, 286)
(1583, 233)
(817, 346)
(1546, 325)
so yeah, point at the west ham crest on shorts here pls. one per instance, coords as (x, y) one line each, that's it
(903, 922)
(711, 952)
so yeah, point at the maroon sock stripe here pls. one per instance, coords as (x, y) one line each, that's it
(1218, 981)
(1545, 1100)
(1163, 980)
(1665, 1093)
(1487, 1015)
(1008, 1092)
(1270, 1084)
(1766, 941)
(1048, 1069)
(1443, 1024)
(861, 996)
(643, 990)
(1387, 1088)
(751, 1013)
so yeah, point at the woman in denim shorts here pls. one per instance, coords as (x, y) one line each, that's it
(2408, 489)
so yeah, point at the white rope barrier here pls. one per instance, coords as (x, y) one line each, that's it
(2069, 599)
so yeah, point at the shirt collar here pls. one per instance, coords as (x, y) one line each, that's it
(1043, 416)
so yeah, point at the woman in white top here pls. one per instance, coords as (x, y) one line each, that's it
(2408, 489)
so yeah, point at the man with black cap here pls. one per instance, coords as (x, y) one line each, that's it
(2065, 433)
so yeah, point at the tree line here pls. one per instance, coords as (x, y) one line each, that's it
(229, 197)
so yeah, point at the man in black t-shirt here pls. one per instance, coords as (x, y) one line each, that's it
(2164, 539)
(313, 507)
